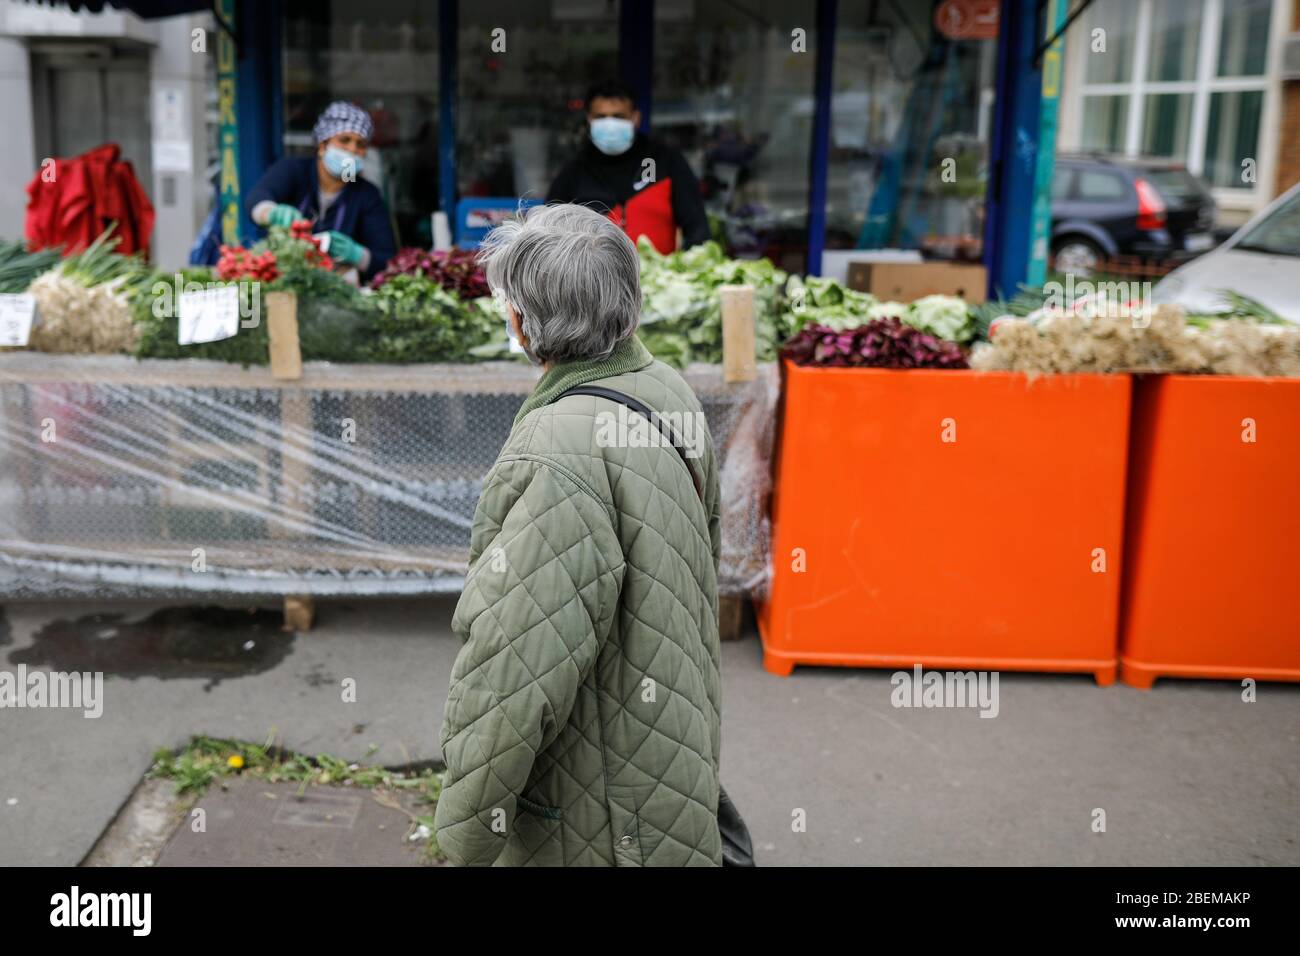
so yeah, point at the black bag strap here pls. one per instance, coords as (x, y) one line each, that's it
(656, 419)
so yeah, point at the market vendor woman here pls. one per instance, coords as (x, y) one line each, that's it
(327, 190)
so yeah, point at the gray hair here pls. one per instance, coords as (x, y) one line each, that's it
(573, 277)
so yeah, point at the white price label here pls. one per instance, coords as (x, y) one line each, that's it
(16, 313)
(209, 315)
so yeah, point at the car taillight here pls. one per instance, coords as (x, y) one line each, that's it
(1151, 208)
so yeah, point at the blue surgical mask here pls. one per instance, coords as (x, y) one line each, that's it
(337, 160)
(612, 135)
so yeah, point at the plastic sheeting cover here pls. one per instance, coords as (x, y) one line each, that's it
(127, 478)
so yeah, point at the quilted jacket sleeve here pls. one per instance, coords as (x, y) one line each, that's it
(538, 602)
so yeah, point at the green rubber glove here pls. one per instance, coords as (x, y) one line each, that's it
(283, 215)
(344, 248)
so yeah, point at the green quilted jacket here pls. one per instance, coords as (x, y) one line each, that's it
(583, 722)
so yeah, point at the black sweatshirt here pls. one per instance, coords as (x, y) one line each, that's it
(648, 190)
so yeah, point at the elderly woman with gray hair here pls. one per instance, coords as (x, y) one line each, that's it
(583, 722)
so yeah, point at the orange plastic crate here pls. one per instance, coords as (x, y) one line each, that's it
(1213, 538)
(973, 553)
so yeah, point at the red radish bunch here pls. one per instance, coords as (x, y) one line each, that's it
(236, 262)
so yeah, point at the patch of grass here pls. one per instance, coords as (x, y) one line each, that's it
(208, 760)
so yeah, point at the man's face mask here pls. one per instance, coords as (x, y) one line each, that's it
(612, 135)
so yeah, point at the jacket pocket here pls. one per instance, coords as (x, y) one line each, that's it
(539, 810)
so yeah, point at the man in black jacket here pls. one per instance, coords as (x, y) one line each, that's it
(642, 184)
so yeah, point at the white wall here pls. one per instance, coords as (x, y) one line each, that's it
(178, 85)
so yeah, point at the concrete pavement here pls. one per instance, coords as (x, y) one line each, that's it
(824, 768)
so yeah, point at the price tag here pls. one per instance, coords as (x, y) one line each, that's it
(209, 315)
(16, 313)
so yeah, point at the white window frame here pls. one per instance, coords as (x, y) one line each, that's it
(1202, 87)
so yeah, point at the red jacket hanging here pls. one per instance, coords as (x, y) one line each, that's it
(72, 201)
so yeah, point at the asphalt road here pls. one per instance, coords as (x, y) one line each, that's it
(824, 768)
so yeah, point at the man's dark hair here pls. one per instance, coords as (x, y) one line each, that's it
(610, 88)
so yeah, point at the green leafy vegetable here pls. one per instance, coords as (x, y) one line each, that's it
(681, 313)
(418, 320)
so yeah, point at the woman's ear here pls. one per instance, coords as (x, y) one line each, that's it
(517, 324)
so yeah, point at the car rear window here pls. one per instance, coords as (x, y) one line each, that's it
(1062, 180)
(1102, 187)
(1278, 233)
(1175, 185)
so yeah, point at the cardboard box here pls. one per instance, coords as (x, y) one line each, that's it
(907, 281)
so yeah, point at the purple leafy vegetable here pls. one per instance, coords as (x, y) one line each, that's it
(880, 343)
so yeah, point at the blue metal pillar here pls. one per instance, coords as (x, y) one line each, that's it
(448, 60)
(1014, 151)
(258, 84)
(1053, 63)
(819, 161)
(636, 31)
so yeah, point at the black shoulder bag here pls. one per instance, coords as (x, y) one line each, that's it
(737, 847)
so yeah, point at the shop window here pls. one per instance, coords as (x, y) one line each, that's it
(383, 56)
(733, 90)
(911, 112)
(523, 72)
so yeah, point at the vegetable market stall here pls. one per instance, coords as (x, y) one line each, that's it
(127, 478)
(188, 466)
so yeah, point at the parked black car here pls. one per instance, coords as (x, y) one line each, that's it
(1106, 206)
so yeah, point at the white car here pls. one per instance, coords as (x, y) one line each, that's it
(1261, 260)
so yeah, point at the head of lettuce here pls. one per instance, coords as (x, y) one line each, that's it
(583, 722)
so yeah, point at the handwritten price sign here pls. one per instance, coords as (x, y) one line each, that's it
(16, 313)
